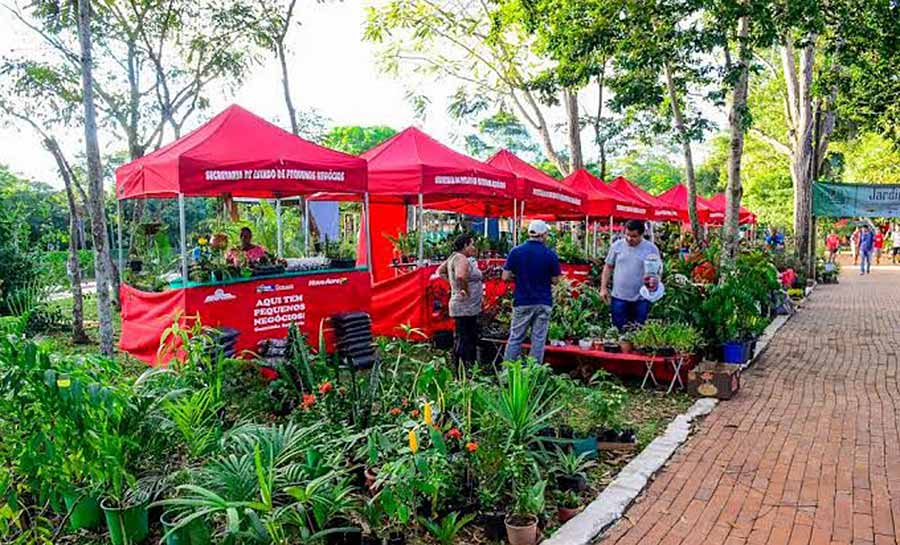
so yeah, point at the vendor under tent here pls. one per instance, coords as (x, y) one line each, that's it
(538, 193)
(239, 155)
(661, 211)
(719, 201)
(677, 198)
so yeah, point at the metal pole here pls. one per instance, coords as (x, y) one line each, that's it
(611, 226)
(183, 232)
(280, 235)
(587, 231)
(119, 236)
(368, 230)
(485, 227)
(595, 239)
(421, 215)
(515, 224)
(306, 227)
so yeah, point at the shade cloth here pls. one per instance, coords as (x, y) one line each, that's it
(242, 154)
(603, 200)
(542, 193)
(661, 211)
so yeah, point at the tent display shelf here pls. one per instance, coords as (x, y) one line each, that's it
(240, 155)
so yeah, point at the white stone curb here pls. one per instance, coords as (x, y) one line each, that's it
(612, 502)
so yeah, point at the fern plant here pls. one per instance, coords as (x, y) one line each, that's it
(195, 417)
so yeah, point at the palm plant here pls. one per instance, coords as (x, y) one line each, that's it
(195, 416)
(445, 532)
(524, 403)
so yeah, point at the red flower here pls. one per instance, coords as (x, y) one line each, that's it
(308, 401)
(415, 413)
(472, 447)
(454, 434)
(395, 411)
(325, 387)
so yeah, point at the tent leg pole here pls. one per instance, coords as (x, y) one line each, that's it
(280, 234)
(587, 231)
(595, 239)
(611, 227)
(306, 227)
(119, 237)
(421, 218)
(515, 224)
(368, 231)
(485, 227)
(183, 235)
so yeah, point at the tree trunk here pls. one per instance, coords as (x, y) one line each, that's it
(73, 267)
(599, 138)
(286, 87)
(576, 161)
(799, 86)
(734, 191)
(539, 124)
(686, 146)
(95, 181)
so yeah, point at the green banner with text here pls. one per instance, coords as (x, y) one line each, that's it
(856, 200)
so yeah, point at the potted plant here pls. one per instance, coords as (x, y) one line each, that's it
(522, 522)
(571, 469)
(195, 532)
(611, 340)
(568, 503)
(556, 334)
(626, 342)
(683, 338)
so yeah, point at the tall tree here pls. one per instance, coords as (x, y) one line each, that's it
(273, 35)
(468, 43)
(95, 181)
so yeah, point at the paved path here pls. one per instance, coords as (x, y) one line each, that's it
(809, 452)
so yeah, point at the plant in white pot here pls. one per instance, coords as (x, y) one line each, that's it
(522, 522)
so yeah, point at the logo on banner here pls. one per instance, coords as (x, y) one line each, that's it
(267, 288)
(328, 282)
(219, 295)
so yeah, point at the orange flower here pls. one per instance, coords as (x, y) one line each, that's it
(454, 434)
(308, 401)
(472, 447)
(413, 441)
(395, 411)
(428, 419)
(414, 413)
(325, 387)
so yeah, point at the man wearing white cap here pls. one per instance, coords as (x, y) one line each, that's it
(534, 267)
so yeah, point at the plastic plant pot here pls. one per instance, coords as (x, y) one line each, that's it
(127, 525)
(195, 533)
(733, 352)
(85, 511)
(586, 445)
(521, 530)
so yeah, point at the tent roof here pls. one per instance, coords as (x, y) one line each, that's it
(661, 211)
(677, 197)
(542, 193)
(242, 154)
(412, 163)
(719, 201)
(603, 200)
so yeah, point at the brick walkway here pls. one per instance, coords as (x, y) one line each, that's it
(808, 452)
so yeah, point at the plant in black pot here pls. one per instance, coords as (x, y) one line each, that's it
(571, 470)
(611, 340)
(522, 522)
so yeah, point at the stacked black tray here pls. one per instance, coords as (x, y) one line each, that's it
(222, 339)
(354, 338)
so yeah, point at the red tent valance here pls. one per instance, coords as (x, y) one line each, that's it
(677, 198)
(603, 200)
(242, 154)
(719, 201)
(661, 212)
(542, 194)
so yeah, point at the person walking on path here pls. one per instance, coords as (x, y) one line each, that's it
(466, 291)
(895, 242)
(626, 263)
(878, 242)
(832, 243)
(854, 244)
(534, 267)
(866, 244)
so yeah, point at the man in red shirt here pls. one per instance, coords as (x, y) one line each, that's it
(879, 244)
(832, 243)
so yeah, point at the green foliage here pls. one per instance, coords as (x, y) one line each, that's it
(355, 140)
(525, 403)
(445, 532)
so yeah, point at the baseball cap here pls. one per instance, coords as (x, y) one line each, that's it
(537, 227)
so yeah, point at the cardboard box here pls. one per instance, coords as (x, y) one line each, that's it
(710, 379)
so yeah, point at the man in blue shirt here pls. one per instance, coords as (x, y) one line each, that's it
(775, 240)
(866, 243)
(535, 268)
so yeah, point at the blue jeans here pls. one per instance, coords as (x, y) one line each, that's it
(628, 312)
(865, 263)
(538, 318)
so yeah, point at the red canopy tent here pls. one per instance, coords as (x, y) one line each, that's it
(719, 201)
(239, 153)
(661, 211)
(543, 194)
(603, 200)
(677, 198)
